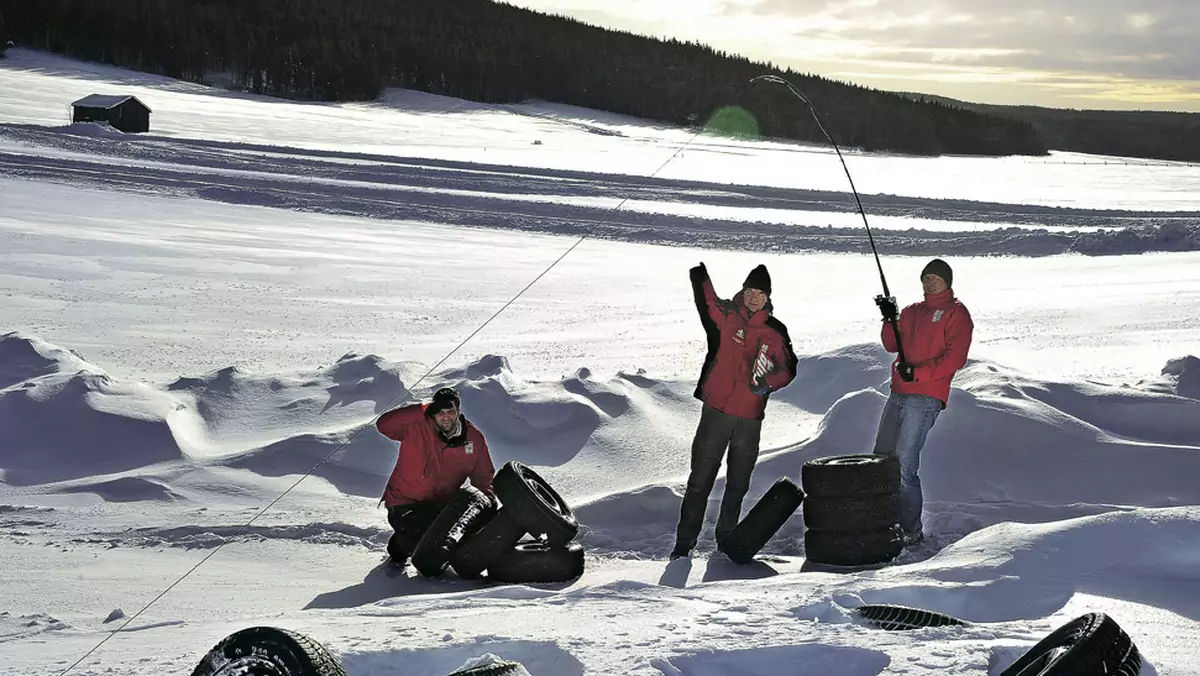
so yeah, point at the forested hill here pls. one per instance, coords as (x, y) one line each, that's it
(1150, 134)
(350, 50)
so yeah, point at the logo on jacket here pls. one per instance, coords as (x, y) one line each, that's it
(470, 447)
(937, 315)
(740, 336)
(763, 363)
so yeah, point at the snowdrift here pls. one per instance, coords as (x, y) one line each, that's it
(64, 418)
(1009, 447)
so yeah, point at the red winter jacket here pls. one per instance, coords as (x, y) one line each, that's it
(740, 348)
(427, 468)
(936, 335)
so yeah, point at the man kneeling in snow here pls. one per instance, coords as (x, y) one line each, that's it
(439, 450)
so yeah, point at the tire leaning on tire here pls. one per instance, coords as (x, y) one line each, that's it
(459, 516)
(478, 550)
(534, 504)
(268, 651)
(763, 520)
(1090, 644)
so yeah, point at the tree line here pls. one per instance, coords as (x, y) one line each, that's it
(1150, 134)
(351, 50)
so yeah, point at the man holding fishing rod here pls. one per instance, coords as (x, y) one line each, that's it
(932, 338)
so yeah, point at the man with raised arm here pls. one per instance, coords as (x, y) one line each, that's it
(749, 357)
(439, 450)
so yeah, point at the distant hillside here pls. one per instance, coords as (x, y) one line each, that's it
(1146, 134)
(350, 50)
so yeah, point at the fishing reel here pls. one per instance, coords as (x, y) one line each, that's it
(887, 307)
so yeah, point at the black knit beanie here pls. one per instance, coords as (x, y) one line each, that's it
(442, 400)
(759, 279)
(940, 268)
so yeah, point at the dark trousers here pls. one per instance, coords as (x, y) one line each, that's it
(716, 432)
(410, 523)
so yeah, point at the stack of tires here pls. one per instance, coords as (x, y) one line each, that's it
(528, 537)
(852, 509)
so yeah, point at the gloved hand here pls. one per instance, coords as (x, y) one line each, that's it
(760, 386)
(887, 307)
(698, 273)
(906, 372)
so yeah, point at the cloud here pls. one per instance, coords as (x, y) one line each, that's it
(1157, 40)
(1138, 52)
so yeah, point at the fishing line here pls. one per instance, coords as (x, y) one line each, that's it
(821, 123)
(403, 395)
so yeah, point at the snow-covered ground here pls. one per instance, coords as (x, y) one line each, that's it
(192, 320)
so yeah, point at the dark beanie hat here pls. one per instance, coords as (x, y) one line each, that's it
(759, 279)
(940, 268)
(442, 400)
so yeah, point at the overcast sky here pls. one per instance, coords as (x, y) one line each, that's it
(1116, 54)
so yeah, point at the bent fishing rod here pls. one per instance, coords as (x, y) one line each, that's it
(812, 108)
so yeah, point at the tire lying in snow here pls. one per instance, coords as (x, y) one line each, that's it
(538, 562)
(901, 618)
(478, 550)
(503, 668)
(534, 504)
(1089, 644)
(846, 548)
(763, 520)
(468, 507)
(855, 476)
(268, 651)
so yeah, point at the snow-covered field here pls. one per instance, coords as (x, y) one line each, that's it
(193, 319)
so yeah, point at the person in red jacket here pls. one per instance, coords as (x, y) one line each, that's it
(749, 356)
(935, 335)
(439, 450)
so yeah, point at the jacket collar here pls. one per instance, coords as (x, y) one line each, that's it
(940, 300)
(459, 439)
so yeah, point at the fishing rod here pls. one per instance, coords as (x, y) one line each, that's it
(887, 295)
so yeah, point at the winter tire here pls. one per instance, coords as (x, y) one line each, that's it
(859, 513)
(859, 548)
(851, 476)
(1089, 644)
(1131, 664)
(901, 618)
(534, 504)
(493, 669)
(538, 562)
(268, 651)
(432, 553)
(763, 520)
(478, 550)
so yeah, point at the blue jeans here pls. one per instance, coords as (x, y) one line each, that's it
(906, 420)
